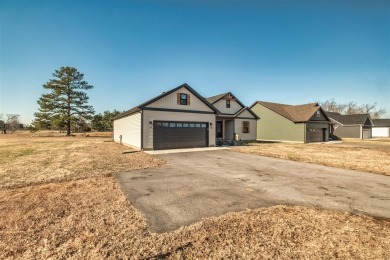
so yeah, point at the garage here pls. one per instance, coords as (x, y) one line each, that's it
(317, 134)
(179, 134)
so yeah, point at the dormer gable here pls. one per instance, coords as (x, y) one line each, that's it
(226, 103)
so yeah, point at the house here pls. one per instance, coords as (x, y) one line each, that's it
(181, 118)
(234, 118)
(381, 128)
(351, 126)
(295, 123)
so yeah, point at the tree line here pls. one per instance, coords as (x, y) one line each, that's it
(65, 107)
(351, 108)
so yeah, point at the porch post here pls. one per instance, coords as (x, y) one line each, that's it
(223, 129)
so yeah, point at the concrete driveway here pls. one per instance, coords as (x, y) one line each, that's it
(196, 185)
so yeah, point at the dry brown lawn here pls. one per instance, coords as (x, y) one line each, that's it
(362, 155)
(35, 158)
(58, 200)
(91, 218)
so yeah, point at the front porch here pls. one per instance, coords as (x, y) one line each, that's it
(224, 131)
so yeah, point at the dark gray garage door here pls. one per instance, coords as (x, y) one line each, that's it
(174, 135)
(317, 134)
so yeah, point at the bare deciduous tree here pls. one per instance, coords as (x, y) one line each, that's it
(351, 108)
(11, 123)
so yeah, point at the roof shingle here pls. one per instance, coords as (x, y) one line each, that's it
(357, 119)
(381, 122)
(297, 113)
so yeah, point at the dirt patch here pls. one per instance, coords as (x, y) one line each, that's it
(91, 218)
(26, 160)
(369, 156)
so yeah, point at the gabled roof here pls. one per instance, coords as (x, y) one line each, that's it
(143, 105)
(356, 119)
(249, 110)
(216, 98)
(381, 122)
(295, 113)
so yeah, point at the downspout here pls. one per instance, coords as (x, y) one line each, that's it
(304, 132)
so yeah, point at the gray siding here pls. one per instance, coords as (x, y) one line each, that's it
(348, 131)
(321, 117)
(151, 115)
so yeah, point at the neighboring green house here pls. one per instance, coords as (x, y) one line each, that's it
(300, 123)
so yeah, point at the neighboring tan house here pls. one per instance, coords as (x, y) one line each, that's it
(234, 118)
(351, 126)
(295, 123)
(381, 128)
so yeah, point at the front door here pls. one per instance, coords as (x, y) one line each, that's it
(219, 129)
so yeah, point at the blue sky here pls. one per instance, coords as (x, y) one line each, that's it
(291, 52)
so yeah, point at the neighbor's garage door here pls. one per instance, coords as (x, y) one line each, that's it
(366, 134)
(174, 135)
(317, 134)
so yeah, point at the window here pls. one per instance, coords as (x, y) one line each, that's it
(245, 127)
(227, 103)
(318, 113)
(183, 99)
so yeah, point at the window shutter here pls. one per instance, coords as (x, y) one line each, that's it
(188, 99)
(178, 98)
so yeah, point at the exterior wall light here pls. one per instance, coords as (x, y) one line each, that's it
(150, 124)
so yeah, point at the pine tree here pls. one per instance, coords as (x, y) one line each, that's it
(67, 100)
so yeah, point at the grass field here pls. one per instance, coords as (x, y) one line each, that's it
(362, 155)
(80, 212)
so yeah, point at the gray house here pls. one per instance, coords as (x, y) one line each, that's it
(351, 126)
(381, 128)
